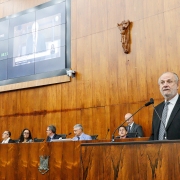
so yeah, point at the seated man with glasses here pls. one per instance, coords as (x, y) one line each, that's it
(6, 137)
(79, 134)
(51, 133)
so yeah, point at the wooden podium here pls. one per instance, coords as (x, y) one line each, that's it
(148, 160)
(92, 160)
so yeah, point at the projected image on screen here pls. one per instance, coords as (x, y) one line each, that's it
(38, 45)
(33, 42)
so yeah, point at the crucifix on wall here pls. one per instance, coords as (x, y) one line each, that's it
(124, 28)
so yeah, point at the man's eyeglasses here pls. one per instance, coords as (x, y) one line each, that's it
(5, 133)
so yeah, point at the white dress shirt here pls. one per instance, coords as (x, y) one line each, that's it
(171, 107)
(5, 141)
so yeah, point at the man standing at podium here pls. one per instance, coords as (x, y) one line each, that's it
(166, 116)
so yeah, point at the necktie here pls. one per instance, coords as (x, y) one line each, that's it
(162, 126)
(78, 138)
(129, 129)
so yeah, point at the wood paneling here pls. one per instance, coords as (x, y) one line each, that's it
(108, 83)
(137, 160)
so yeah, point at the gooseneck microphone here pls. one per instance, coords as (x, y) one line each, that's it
(151, 101)
(165, 132)
(68, 134)
(145, 105)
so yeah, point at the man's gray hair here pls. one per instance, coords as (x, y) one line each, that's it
(175, 76)
(79, 126)
(52, 128)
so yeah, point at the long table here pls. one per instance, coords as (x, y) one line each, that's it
(137, 159)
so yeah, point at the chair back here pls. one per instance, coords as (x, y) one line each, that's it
(16, 140)
(94, 136)
(38, 139)
(63, 136)
(132, 135)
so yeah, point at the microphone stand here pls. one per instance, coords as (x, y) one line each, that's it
(68, 134)
(107, 133)
(127, 120)
(165, 132)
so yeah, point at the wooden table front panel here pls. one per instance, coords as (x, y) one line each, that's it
(131, 161)
(21, 161)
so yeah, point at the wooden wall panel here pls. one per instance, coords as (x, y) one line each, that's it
(152, 8)
(83, 24)
(115, 15)
(99, 116)
(108, 83)
(112, 67)
(84, 69)
(8, 8)
(171, 5)
(98, 9)
(171, 29)
(155, 48)
(100, 74)
(139, 91)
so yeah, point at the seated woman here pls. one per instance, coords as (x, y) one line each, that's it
(122, 133)
(25, 136)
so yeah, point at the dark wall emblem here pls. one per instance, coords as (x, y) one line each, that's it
(44, 167)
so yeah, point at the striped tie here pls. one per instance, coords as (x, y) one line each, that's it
(162, 126)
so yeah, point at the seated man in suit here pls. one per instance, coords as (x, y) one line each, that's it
(51, 133)
(6, 137)
(79, 134)
(132, 126)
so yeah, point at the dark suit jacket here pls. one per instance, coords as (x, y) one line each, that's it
(54, 137)
(136, 128)
(173, 126)
(11, 141)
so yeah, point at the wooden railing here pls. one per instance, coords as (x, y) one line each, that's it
(137, 159)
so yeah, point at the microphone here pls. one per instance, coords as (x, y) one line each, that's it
(165, 132)
(107, 133)
(145, 105)
(150, 102)
(68, 134)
